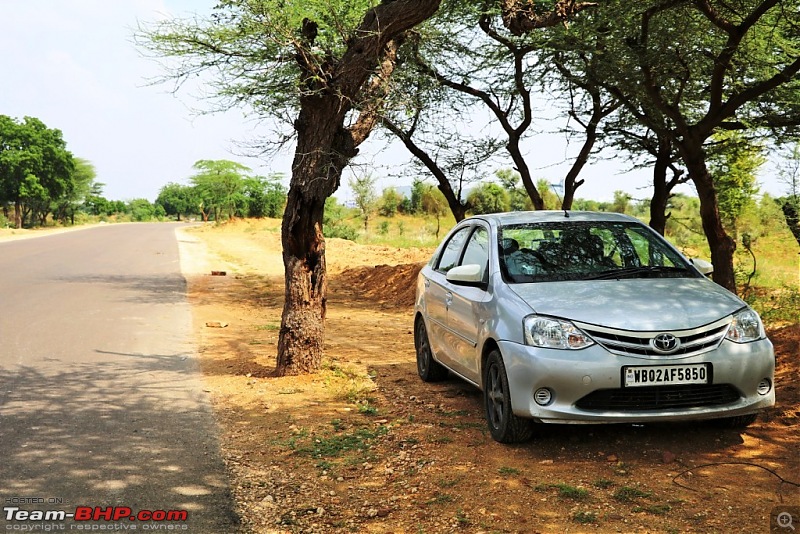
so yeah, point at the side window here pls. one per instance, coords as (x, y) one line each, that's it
(452, 251)
(477, 251)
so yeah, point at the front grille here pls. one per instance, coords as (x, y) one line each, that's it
(659, 397)
(637, 344)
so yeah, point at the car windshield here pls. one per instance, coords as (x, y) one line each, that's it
(586, 250)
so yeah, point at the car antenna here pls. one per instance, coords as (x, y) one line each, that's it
(566, 214)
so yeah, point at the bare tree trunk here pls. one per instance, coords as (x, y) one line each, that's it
(721, 244)
(792, 219)
(324, 147)
(17, 214)
(658, 203)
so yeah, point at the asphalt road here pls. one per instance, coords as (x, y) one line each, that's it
(101, 402)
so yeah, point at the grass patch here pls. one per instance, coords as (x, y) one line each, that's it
(655, 509)
(454, 413)
(629, 494)
(441, 498)
(337, 445)
(571, 492)
(602, 483)
(271, 327)
(585, 517)
(365, 408)
(508, 471)
(461, 518)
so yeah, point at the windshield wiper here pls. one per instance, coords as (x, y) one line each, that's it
(635, 271)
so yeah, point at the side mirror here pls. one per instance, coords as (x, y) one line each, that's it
(705, 267)
(466, 275)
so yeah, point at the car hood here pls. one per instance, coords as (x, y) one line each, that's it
(633, 304)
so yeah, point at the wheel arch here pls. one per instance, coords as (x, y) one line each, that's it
(488, 346)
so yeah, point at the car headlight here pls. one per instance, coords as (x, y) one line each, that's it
(552, 333)
(745, 327)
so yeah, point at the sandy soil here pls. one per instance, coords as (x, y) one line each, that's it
(365, 446)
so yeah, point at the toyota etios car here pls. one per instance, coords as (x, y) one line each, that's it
(578, 317)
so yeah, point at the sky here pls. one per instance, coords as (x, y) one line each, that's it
(73, 65)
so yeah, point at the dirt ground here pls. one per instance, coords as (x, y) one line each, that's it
(366, 446)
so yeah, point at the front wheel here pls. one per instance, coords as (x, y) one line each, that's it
(504, 426)
(429, 369)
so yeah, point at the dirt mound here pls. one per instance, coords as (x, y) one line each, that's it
(390, 285)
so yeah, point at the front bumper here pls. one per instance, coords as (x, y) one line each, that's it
(572, 375)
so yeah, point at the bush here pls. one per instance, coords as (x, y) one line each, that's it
(342, 230)
(333, 224)
(390, 202)
(488, 198)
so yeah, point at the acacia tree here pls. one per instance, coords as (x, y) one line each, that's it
(178, 199)
(705, 66)
(365, 196)
(465, 63)
(325, 64)
(220, 185)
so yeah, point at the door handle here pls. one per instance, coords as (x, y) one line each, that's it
(427, 283)
(448, 298)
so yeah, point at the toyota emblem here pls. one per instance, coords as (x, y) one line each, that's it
(665, 343)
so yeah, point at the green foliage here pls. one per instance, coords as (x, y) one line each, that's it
(333, 221)
(35, 166)
(390, 202)
(488, 198)
(253, 51)
(338, 444)
(585, 517)
(220, 186)
(621, 202)
(433, 202)
(518, 197)
(141, 210)
(734, 163)
(629, 494)
(418, 188)
(265, 197)
(571, 492)
(178, 200)
(365, 198)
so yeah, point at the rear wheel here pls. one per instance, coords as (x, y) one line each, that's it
(429, 369)
(504, 426)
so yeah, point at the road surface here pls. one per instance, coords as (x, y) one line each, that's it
(101, 401)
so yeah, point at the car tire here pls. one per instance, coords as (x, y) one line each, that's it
(737, 422)
(429, 369)
(504, 426)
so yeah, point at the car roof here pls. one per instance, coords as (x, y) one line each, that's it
(522, 217)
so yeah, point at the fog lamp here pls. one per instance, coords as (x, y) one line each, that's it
(543, 396)
(764, 387)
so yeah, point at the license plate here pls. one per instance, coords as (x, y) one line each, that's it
(666, 375)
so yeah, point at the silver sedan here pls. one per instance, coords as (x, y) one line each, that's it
(579, 317)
